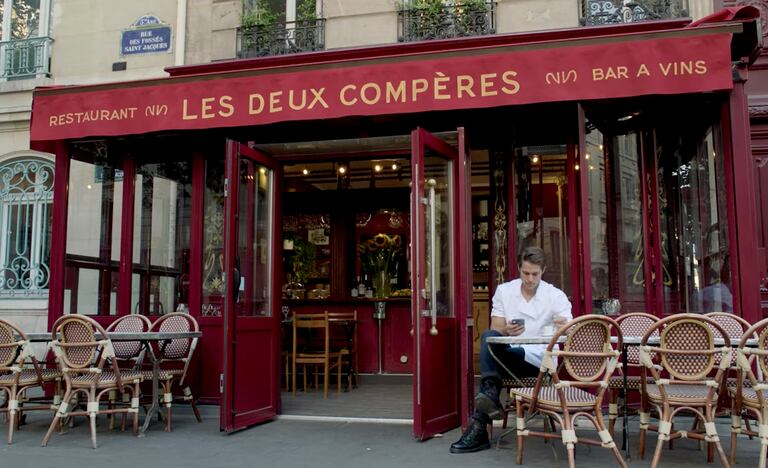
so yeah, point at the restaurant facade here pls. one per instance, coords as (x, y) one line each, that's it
(399, 181)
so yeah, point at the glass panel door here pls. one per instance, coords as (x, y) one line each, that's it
(251, 328)
(441, 281)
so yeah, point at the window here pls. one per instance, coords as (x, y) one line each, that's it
(24, 45)
(26, 199)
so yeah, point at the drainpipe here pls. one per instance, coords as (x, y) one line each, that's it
(181, 31)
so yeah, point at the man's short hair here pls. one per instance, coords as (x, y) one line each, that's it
(533, 255)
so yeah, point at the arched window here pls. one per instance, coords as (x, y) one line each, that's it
(26, 201)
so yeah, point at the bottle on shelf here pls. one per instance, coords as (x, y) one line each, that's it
(361, 288)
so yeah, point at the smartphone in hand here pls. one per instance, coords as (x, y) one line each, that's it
(517, 322)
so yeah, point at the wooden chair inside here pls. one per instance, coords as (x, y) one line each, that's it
(344, 341)
(312, 346)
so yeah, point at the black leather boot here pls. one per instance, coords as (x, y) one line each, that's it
(474, 439)
(487, 401)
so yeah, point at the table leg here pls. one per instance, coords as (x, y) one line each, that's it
(625, 404)
(155, 407)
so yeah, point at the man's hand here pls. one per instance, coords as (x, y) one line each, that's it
(559, 321)
(514, 330)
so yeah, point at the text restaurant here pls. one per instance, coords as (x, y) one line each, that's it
(385, 191)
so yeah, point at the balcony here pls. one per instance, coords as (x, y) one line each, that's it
(281, 38)
(26, 58)
(432, 21)
(597, 12)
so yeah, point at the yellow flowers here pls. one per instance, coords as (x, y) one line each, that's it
(380, 252)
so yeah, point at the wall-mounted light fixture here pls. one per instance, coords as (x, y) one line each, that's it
(535, 159)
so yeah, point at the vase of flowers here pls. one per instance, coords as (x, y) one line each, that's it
(378, 257)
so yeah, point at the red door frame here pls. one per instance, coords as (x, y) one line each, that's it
(240, 409)
(441, 399)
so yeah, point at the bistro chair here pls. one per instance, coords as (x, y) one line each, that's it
(83, 360)
(682, 379)
(345, 343)
(129, 354)
(631, 324)
(750, 399)
(304, 326)
(174, 357)
(19, 372)
(589, 359)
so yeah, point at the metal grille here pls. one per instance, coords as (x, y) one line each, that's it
(26, 196)
(288, 37)
(596, 12)
(419, 22)
(27, 58)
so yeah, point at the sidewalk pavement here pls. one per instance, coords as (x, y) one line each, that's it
(289, 443)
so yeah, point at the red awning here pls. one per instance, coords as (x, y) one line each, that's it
(665, 61)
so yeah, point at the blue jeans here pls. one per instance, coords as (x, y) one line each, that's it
(513, 359)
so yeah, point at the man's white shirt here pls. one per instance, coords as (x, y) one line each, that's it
(508, 302)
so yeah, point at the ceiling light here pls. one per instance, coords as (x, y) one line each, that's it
(89, 186)
(342, 170)
(576, 167)
(587, 156)
(591, 167)
(378, 167)
(305, 171)
(395, 166)
(600, 146)
(535, 159)
(263, 170)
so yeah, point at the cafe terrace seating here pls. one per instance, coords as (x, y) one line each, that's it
(20, 372)
(589, 359)
(174, 358)
(750, 399)
(129, 354)
(83, 362)
(682, 380)
(631, 324)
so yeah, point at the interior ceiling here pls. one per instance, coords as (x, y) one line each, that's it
(384, 162)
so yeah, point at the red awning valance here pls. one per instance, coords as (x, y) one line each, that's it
(666, 62)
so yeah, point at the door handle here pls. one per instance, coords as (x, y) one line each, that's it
(235, 288)
(433, 247)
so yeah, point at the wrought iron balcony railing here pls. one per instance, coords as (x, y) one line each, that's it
(281, 38)
(26, 58)
(467, 18)
(595, 12)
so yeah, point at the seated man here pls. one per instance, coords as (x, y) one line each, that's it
(526, 306)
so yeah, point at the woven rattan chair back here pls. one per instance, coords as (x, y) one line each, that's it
(695, 337)
(734, 327)
(134, 323)
(588, 339)
(636, 324)
(182, 348)
(11, 338)
(75, 338)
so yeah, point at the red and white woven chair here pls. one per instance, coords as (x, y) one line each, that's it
(19, 372)
(589, 359)
(683, 380)
(83, 361)
(631, 324)
(129, 354)
(750, 397)
(175, 357)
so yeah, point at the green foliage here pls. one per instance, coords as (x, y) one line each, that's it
(303, 259)
(260, 16)
(306, 11)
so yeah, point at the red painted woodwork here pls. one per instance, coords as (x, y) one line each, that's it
(396, 332)
(437, 390)
(507, 77)
(251, 335)
(464, 280)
